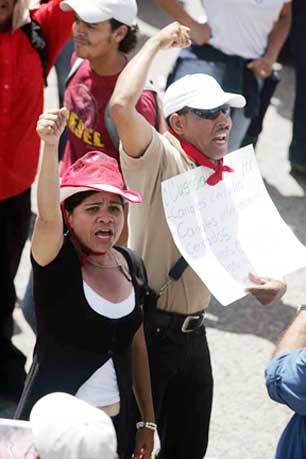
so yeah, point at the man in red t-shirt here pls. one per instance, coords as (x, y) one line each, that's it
(103, 33)
(21, 102)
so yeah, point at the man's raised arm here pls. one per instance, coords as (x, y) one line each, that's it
(134, 131)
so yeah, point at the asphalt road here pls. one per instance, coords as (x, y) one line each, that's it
(245, 423)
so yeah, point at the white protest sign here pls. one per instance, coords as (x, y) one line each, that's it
(231, 229)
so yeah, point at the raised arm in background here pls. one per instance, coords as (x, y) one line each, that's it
(263, 67)
(134, 131)
(48, 231)
(200, 32)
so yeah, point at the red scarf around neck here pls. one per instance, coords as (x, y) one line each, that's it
(202, 160)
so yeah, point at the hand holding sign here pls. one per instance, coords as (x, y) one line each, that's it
(265, 289)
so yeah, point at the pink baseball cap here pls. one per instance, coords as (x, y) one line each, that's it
(95, 171)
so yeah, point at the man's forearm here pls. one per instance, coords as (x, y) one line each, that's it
(294, 337)
(134, 131)
(175, 10)
(278, 35)
(133, 77)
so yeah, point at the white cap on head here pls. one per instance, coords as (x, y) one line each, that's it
(67, 428)
(93, 11)
(198, 91)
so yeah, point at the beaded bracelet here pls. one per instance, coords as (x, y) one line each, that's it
(146, 425)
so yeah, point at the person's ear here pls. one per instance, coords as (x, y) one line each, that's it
(70, 218)
(177, 123)
(120, 33)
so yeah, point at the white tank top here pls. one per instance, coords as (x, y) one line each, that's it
(101, 388)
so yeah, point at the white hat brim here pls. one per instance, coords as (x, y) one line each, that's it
(234, 100)
(87, 12)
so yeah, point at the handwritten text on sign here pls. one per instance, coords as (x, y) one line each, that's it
(231, 229)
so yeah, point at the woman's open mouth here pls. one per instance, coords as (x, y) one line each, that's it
(104, 234)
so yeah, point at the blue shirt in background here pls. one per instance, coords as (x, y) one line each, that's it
(286, 384)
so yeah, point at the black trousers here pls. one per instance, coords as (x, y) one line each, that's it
(15, 214)
(297, 149)
(182, 387)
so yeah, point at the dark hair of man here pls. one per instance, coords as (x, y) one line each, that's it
(130, 40)
(182, 111)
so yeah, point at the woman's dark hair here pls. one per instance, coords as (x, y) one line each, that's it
(76, 199)
(73, 201)
(130, 40)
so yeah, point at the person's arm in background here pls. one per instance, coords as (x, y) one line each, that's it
(200, 33)
(286, 372)
(134, 131)
(48, 231)
(56, 26)
(263, 67)
(294, 337)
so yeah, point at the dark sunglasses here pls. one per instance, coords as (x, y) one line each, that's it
(210, 114)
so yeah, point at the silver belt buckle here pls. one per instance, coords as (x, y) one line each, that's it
(189, 319)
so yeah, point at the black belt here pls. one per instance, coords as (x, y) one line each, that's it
(185, 323)
(182, 322)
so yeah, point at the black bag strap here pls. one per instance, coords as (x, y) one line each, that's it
(36, 37)
(139, 274)
(137, 271)
(73, 69)
(178, 269)
(110, 125)
(111, 128)
(174, 274)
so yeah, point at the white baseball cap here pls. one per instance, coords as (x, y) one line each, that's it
(198, 91)
(93, 11)
(65, 427)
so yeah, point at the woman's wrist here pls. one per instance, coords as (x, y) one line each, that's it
(146, 425)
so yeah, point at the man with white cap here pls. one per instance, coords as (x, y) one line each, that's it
(65, 427)
(197, 111)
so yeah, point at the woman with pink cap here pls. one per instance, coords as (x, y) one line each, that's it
(97, 350)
